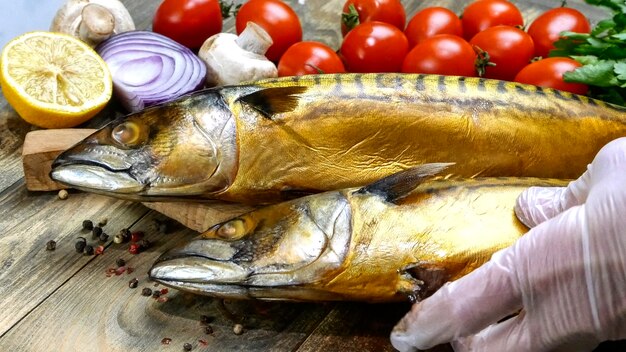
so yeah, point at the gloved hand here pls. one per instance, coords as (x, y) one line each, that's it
(566, 277)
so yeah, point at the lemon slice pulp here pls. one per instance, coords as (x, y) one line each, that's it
(54, 80)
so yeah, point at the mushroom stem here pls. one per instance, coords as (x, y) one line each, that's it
(254, 39)
(98, 23)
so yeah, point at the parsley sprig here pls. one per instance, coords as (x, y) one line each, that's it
(601, 52)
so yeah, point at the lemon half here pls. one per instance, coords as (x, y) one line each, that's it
(54, 80)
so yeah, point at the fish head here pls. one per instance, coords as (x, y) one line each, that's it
(279, 251)
(183, 148)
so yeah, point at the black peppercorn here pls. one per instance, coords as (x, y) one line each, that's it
(156, 294)
(89, 250)
(146, 292)
(208, 330)
(51, 245)
(205, 319)
(144, 244)
(103, 237)
(97, 231)
(120, 262)
(187, 346)
(87, 225)
(133, 283)
(80, 244)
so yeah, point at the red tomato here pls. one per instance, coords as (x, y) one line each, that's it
(388, 11)
(483, 14)
(443, 54)
(374, 47)
(546, 28)
(432, 21)
(307, 58)
(549, 73)
(509, 48)
(189, 22)
(277, 18)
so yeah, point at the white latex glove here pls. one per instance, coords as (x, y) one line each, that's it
(566, 276)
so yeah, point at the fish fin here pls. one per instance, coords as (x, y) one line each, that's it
(401, 184)
(271, 101)
(427, 278)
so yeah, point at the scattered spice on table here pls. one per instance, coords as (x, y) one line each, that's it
(51, 245)
(89, 250)
(99, 250)
(166, 341)
(63, 194)
(136, 236)
(87, 225)
(144, 244)
(103, 237)
(80, 244)
(120, 262)
(205, 319)
(146, 291)
(133, 283)
(162, 299)
(103, 222)
(164, 291)
(238, 329)
(156, 294)
(134, 248)
(129, 270)
(96, 231)
(208, 330)
(187, 346)
(203, 342)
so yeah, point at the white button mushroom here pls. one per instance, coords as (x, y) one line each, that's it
(231, 59)
(92, 21)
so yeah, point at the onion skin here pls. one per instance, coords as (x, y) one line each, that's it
(149, 68)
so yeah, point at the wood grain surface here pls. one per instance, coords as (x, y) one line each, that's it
(63, 301)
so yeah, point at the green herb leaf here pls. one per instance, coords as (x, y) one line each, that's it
(601, 74)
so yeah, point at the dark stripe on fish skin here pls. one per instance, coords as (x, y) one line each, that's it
(462, 86)
(540, 91)
(379, 79)
(558, 94)
(441, 83)
(501, 87)
(520, 89)
(575, 97)
(360, 88)
(338, 86)
(419, 83)
(317, 79)
(481, 85)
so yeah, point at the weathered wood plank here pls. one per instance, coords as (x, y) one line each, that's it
(28, 222)
(92, 312)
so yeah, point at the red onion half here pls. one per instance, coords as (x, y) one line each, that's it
(149, 68)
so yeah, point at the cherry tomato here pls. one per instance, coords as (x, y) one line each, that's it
(374, 47)
(305, 58)
(483, 14)
(549, 73)
(509, 48)
(443, 54)
(546, 28)
(388, 11)
(279, 20)
(189, 22)
(432, 21)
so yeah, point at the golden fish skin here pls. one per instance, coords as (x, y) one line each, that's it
(352, 245)
(280, 138)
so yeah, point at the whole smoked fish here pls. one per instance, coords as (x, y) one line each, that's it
(281, 138)
(403, 236)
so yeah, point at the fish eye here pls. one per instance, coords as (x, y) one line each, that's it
(232, 230)
(129, 134)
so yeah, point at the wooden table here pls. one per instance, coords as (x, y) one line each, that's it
(63, 301)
